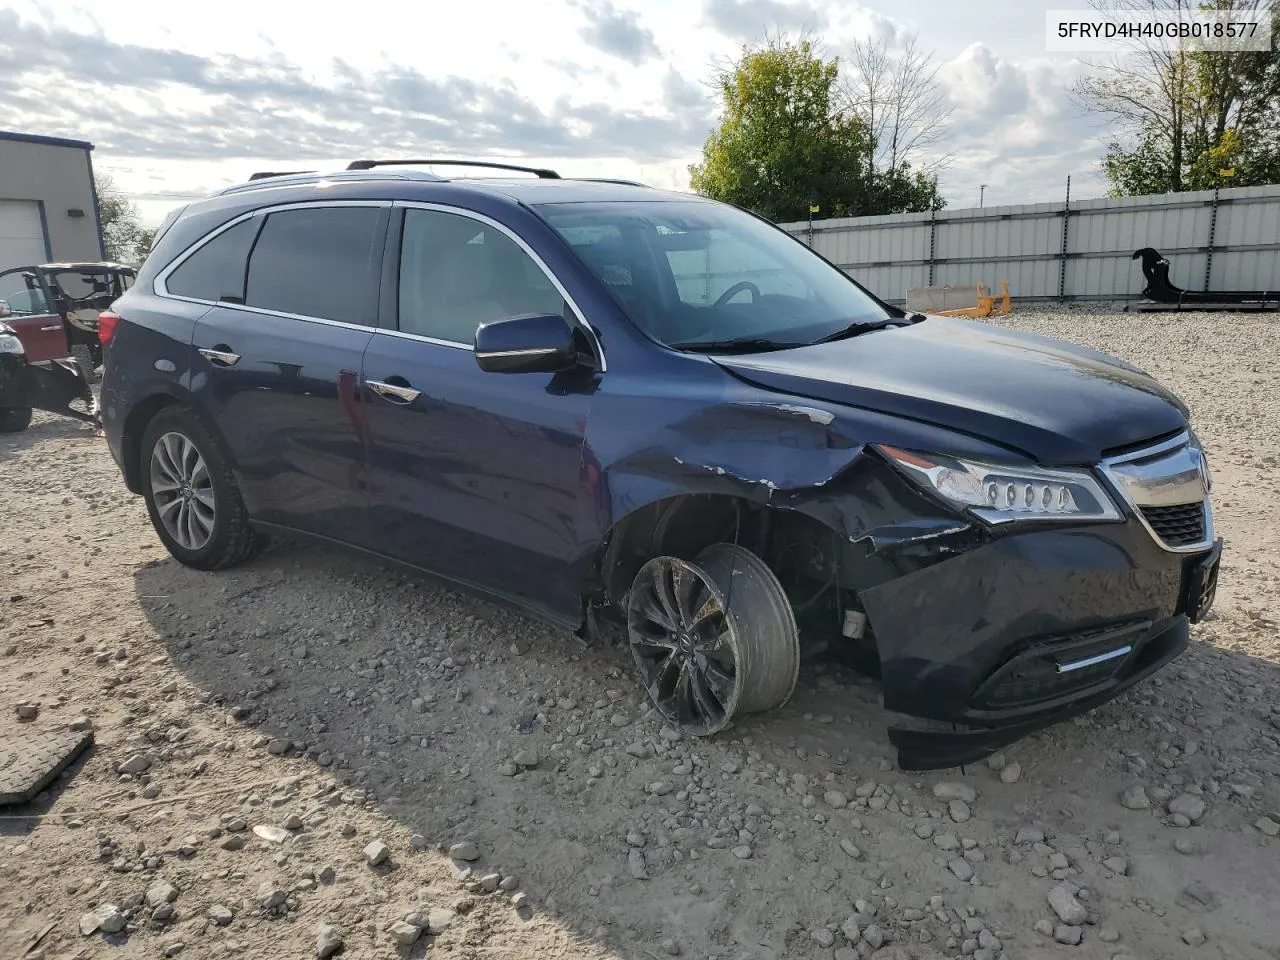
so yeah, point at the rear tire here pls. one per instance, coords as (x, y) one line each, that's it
(14, 419)
(712, 639)
(191, 494)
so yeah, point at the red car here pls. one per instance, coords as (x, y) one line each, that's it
(47, 338)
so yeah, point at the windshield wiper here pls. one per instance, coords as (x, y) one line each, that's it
(739, 345)
(865, 326)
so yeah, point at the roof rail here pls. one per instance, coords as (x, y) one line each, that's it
(541, 172)
(625, 183)
(263, 174)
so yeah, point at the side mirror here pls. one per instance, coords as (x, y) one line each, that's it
(537, 343)
(4, 309)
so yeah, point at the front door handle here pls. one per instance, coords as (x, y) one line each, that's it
(394, 392)
(221, 355)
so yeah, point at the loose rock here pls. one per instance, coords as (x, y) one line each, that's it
(955, 791)
(1064, 903)
(376, 853)
(960, 867)
(466, 850)
(271, 833)
(1135, 798)
(1069, 935)
(161, 891)
(404, 933)
(138, 763)
(1187, 805)
(526, 759)
(328, 941)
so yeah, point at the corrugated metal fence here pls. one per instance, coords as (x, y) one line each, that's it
(1215, 240)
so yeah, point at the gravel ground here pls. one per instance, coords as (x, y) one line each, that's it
(311, 754)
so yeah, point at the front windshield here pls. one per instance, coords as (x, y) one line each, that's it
(691, 272)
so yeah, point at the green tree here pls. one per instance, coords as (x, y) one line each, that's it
(784, 142)
(1182, 115)
(123, 235)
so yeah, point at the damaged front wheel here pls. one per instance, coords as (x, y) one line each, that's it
(714, 638)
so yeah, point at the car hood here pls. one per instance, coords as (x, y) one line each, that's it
(1057, 402)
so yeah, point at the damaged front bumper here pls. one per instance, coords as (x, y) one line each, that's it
(1026, 630)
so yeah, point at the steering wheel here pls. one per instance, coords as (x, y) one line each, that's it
(736, 289)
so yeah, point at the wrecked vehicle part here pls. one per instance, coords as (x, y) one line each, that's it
(57, 385)
(694, 477)
(1024, 631)
(967, 624)
(713, 639)
(51, 386)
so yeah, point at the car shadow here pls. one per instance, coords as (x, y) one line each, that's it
(421, 696)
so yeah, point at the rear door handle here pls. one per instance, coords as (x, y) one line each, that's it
(55, 326)
(394, 392)
(223, 357)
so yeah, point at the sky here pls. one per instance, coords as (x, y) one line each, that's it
(182, 99)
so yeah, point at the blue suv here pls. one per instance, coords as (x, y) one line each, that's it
(593, 399)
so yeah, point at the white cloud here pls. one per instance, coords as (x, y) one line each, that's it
(179, 102)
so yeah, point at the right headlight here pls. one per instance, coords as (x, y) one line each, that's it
(998, 493)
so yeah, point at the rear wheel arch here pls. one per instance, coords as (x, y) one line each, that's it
(135, 427)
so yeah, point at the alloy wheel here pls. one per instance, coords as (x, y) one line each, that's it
(183, 491)
(684, 644)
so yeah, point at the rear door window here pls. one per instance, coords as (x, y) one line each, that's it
(317, 262)
(216, 270)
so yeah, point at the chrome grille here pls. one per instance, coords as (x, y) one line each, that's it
(1178, 526)
(1167, 486)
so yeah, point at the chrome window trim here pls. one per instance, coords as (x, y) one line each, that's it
(530, 352)
(1120, 489)
(578, 315)
(159, 284)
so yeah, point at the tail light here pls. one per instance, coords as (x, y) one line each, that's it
(107, 322)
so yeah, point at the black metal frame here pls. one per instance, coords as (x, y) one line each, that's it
(541, 172)
(264, 174)
(1160, 289)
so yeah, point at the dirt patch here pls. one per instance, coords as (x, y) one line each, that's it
(287, 754)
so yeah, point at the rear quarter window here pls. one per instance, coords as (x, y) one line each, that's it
(216, 270)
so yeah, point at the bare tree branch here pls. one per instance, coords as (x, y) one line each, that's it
(897, 95)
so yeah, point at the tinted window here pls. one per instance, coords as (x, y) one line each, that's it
(216, 270)
(316, 263)
(457, 273)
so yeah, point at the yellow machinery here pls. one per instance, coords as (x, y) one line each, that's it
(988, 305)
(942, 301)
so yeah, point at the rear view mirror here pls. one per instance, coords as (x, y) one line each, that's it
(4, 309)
(529, 344)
